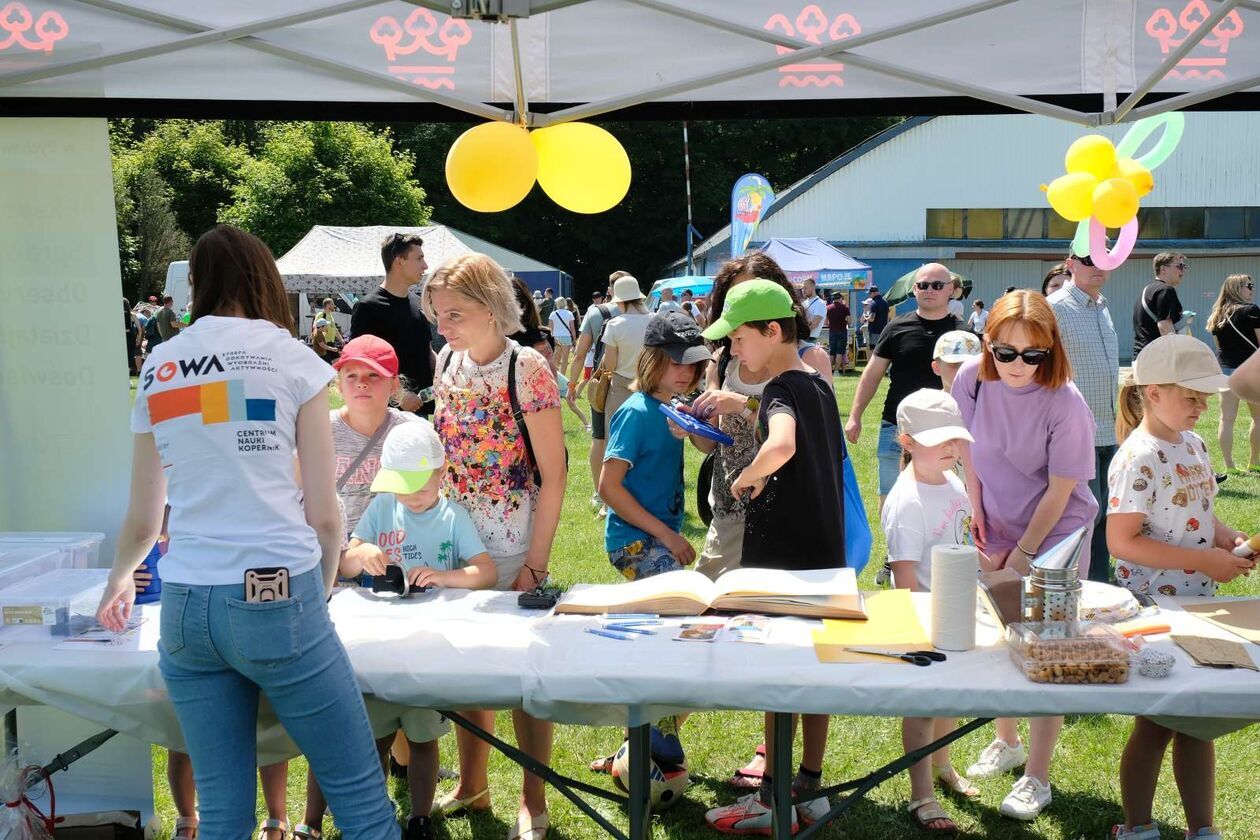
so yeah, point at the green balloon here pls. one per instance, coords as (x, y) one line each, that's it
(1080, 242)
(1174, 124)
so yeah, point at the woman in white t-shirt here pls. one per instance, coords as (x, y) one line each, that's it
(978, 318)
(506, 466)
(623, 341)
(564, 331)
(217, 418)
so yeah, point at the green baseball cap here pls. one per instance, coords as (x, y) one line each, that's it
(754, 300)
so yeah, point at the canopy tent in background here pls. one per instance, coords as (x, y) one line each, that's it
(575, 59)
(697, 285)
(827, 265)
(348, 259)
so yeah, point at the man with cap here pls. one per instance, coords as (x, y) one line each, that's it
(1089, 337)
(878, 315)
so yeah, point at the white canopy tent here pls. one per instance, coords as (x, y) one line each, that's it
(1090, 61)
(348, 259)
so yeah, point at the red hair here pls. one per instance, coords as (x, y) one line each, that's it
(1031, 310)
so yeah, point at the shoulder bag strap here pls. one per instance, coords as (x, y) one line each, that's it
(1241, 335)
(519, 416)
(372, 442)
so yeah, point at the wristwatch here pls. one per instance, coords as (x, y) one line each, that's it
(751, 405)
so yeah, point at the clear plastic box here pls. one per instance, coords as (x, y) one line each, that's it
(82, 548)
(1069, 652)
(19, 561)
(60, 603)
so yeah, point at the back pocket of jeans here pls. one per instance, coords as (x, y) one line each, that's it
(174, 605)
(266, 633)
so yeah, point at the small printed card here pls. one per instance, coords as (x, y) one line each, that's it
(747, 628)
(698, 631)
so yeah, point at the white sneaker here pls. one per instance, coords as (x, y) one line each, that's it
(1205, 833)
(998, 757)
(1026, 800)
(1150, 831)
(811, 811)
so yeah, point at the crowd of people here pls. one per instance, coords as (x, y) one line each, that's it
(1007, 429)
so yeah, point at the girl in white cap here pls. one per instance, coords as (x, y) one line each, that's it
(927, 507)
(1163, 530)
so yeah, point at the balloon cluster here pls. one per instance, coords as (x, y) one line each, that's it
(582, 167)
(1104, 186)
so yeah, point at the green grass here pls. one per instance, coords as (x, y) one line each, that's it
(1085, 774)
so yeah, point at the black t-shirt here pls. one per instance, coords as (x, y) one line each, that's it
(401, 322)
(1162, 300)
(1234, 349)
(879, 314)
(908, 342)
(798, 520)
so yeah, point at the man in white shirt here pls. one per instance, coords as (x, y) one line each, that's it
(815, 310)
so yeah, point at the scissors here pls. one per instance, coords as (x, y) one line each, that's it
(922, 658)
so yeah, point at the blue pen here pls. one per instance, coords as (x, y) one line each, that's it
(629, 628)
(609, 634)
(638, 622)
(619, 616)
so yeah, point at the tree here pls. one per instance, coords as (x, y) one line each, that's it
(324, 173)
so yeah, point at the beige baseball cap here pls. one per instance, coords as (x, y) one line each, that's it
(931, 417)
(1180, 360)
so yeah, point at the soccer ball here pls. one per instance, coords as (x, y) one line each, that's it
(665, 786)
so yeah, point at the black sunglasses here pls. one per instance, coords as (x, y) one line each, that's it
(1181, 266)
(1085, 260)
(934, 285)
(1251, 286)
(1006, 355)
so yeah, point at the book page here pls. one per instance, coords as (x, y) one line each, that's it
(681, 584)
(780, 582)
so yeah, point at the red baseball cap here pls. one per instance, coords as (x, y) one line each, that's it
(374, 352)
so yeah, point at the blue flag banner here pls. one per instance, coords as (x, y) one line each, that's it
(751, 197)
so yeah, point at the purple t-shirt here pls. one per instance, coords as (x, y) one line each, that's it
(1023, 436)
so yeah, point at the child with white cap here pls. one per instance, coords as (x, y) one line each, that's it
(951, 350)
(409, 524)
(927, 507)
(1163, 530)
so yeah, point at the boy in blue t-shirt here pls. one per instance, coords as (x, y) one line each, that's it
(408, 524)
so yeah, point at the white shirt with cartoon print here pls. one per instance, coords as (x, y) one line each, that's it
(1173, 486)
(917, 517)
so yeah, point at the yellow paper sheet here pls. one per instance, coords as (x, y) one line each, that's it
(892, 624)
(1242, 617)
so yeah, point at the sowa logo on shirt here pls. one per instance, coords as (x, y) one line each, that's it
(184, 367)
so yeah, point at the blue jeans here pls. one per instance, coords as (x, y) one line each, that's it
(1099, 555)
(219, 652)
(889, 455)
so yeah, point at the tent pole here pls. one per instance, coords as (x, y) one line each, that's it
(522, 104)
(1148, 84)
(336, 68)
(1185, 100)
(687, 177)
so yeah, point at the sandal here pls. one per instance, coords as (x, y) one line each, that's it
(272, 825)
(189, 824)
(449, 803)
(603, 765)
(302, 831)
(530, 828)
(952, 781)
(748, 777)
(931, 817)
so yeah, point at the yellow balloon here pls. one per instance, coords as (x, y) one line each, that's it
(1092, 154)
(581, 166)
(491, 167)
(1072, 195)
(1115, 202)
(1136, 174)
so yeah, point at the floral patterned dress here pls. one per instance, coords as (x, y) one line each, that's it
(488, 469)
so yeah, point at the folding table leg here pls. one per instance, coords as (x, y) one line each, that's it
(781, 800)
(639, 804)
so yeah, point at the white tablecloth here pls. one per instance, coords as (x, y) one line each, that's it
(478, 650)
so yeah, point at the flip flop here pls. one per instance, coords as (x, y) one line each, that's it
(749, 777)
(449, 803)
(530, 828)
(929, 811)
(952, 781)
(602, 765)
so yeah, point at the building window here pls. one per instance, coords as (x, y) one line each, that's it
(1225, 223)
(984, 224)
(1185, 222)
(1058, 227)
(945, 224)
(1153, 223)
(1026, 223)
(1253, 222)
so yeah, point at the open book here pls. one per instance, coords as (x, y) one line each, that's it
(817, 593)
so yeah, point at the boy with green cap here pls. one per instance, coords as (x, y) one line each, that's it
(795, 487)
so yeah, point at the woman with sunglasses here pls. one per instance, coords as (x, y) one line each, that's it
(1031, 462)
(1235, 324)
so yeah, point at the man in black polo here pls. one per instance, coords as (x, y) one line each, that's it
(392, 312)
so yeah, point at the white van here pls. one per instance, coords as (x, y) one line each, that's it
(177, 285)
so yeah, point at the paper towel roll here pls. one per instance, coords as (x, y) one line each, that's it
(955, 569)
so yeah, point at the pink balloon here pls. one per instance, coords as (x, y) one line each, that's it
(1098, 253)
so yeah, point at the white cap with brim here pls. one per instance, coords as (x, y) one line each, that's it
(1180, 360)
(931, 417)
(412, 452)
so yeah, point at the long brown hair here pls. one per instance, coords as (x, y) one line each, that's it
(229, 268)
(760, 265)
(1038, 318)
(1229, 301)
